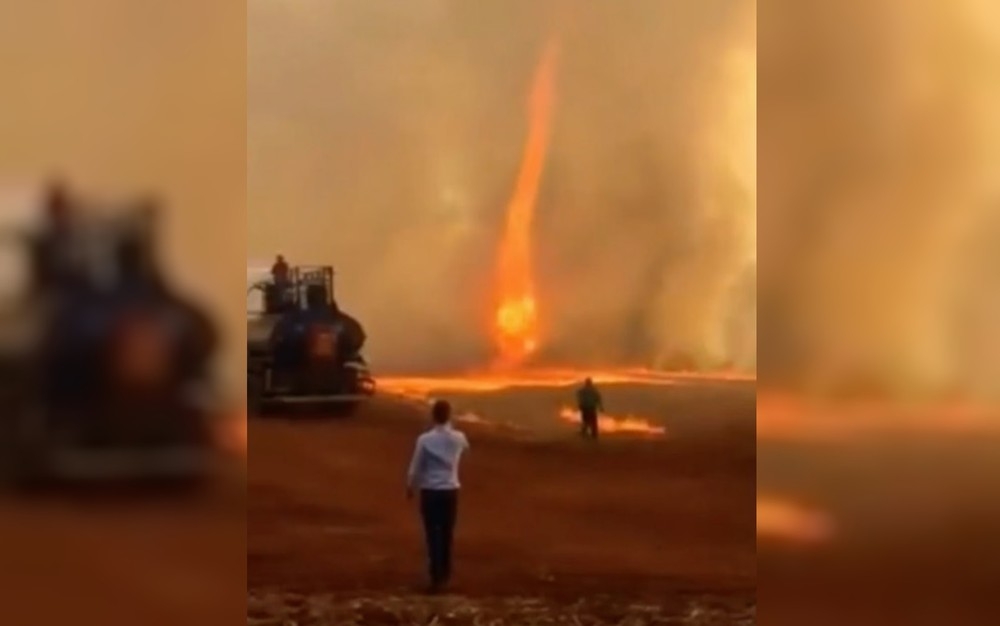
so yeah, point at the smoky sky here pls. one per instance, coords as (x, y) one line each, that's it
(878, 193)
(384, 138)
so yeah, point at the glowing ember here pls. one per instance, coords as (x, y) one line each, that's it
(788, 521)
(231, 434)
(516, 322)
(469, 418)
(612, 424)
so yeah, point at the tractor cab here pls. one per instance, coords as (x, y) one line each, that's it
(310, 359)
(289, 295)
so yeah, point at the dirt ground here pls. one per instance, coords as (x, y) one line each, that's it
(915, 536)
(659, 526)
(124, 560)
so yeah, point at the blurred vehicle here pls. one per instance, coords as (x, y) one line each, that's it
(325, 368)
(105, 370)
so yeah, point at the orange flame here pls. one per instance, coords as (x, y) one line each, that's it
(612, 424)
(785, 520)
(516, 321)
(231, 433)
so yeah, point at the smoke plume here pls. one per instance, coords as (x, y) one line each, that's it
(385, 138)
(879, 186)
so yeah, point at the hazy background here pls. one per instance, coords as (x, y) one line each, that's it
(122, 98)
(880, 188)
(384, 137)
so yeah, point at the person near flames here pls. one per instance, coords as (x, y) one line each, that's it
(434, 473)
(591, 405)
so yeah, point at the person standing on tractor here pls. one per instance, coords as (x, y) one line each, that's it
(280, 270)
(53, 262)
(591, 405)
(281, 277)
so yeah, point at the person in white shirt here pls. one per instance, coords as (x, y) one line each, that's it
(434, 472)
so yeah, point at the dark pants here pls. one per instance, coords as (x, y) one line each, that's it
(439, 510)
(588, 419)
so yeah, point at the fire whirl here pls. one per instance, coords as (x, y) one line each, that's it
(516, 321)
(516, 325)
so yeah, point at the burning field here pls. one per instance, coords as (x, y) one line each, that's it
(652, 523)
(876, 508)
(656, 520)
(613, 219)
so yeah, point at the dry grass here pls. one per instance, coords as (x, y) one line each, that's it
(284, 609)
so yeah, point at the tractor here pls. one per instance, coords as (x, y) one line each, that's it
(323, 367)
(105, 373)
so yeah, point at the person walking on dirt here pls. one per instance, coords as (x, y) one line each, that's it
(434, 472)
(590, 405)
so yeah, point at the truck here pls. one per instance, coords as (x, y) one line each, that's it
(335, 379)
(105, 368)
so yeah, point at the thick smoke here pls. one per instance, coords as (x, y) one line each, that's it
(384, 138)
(879, 192)
(705, 307)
